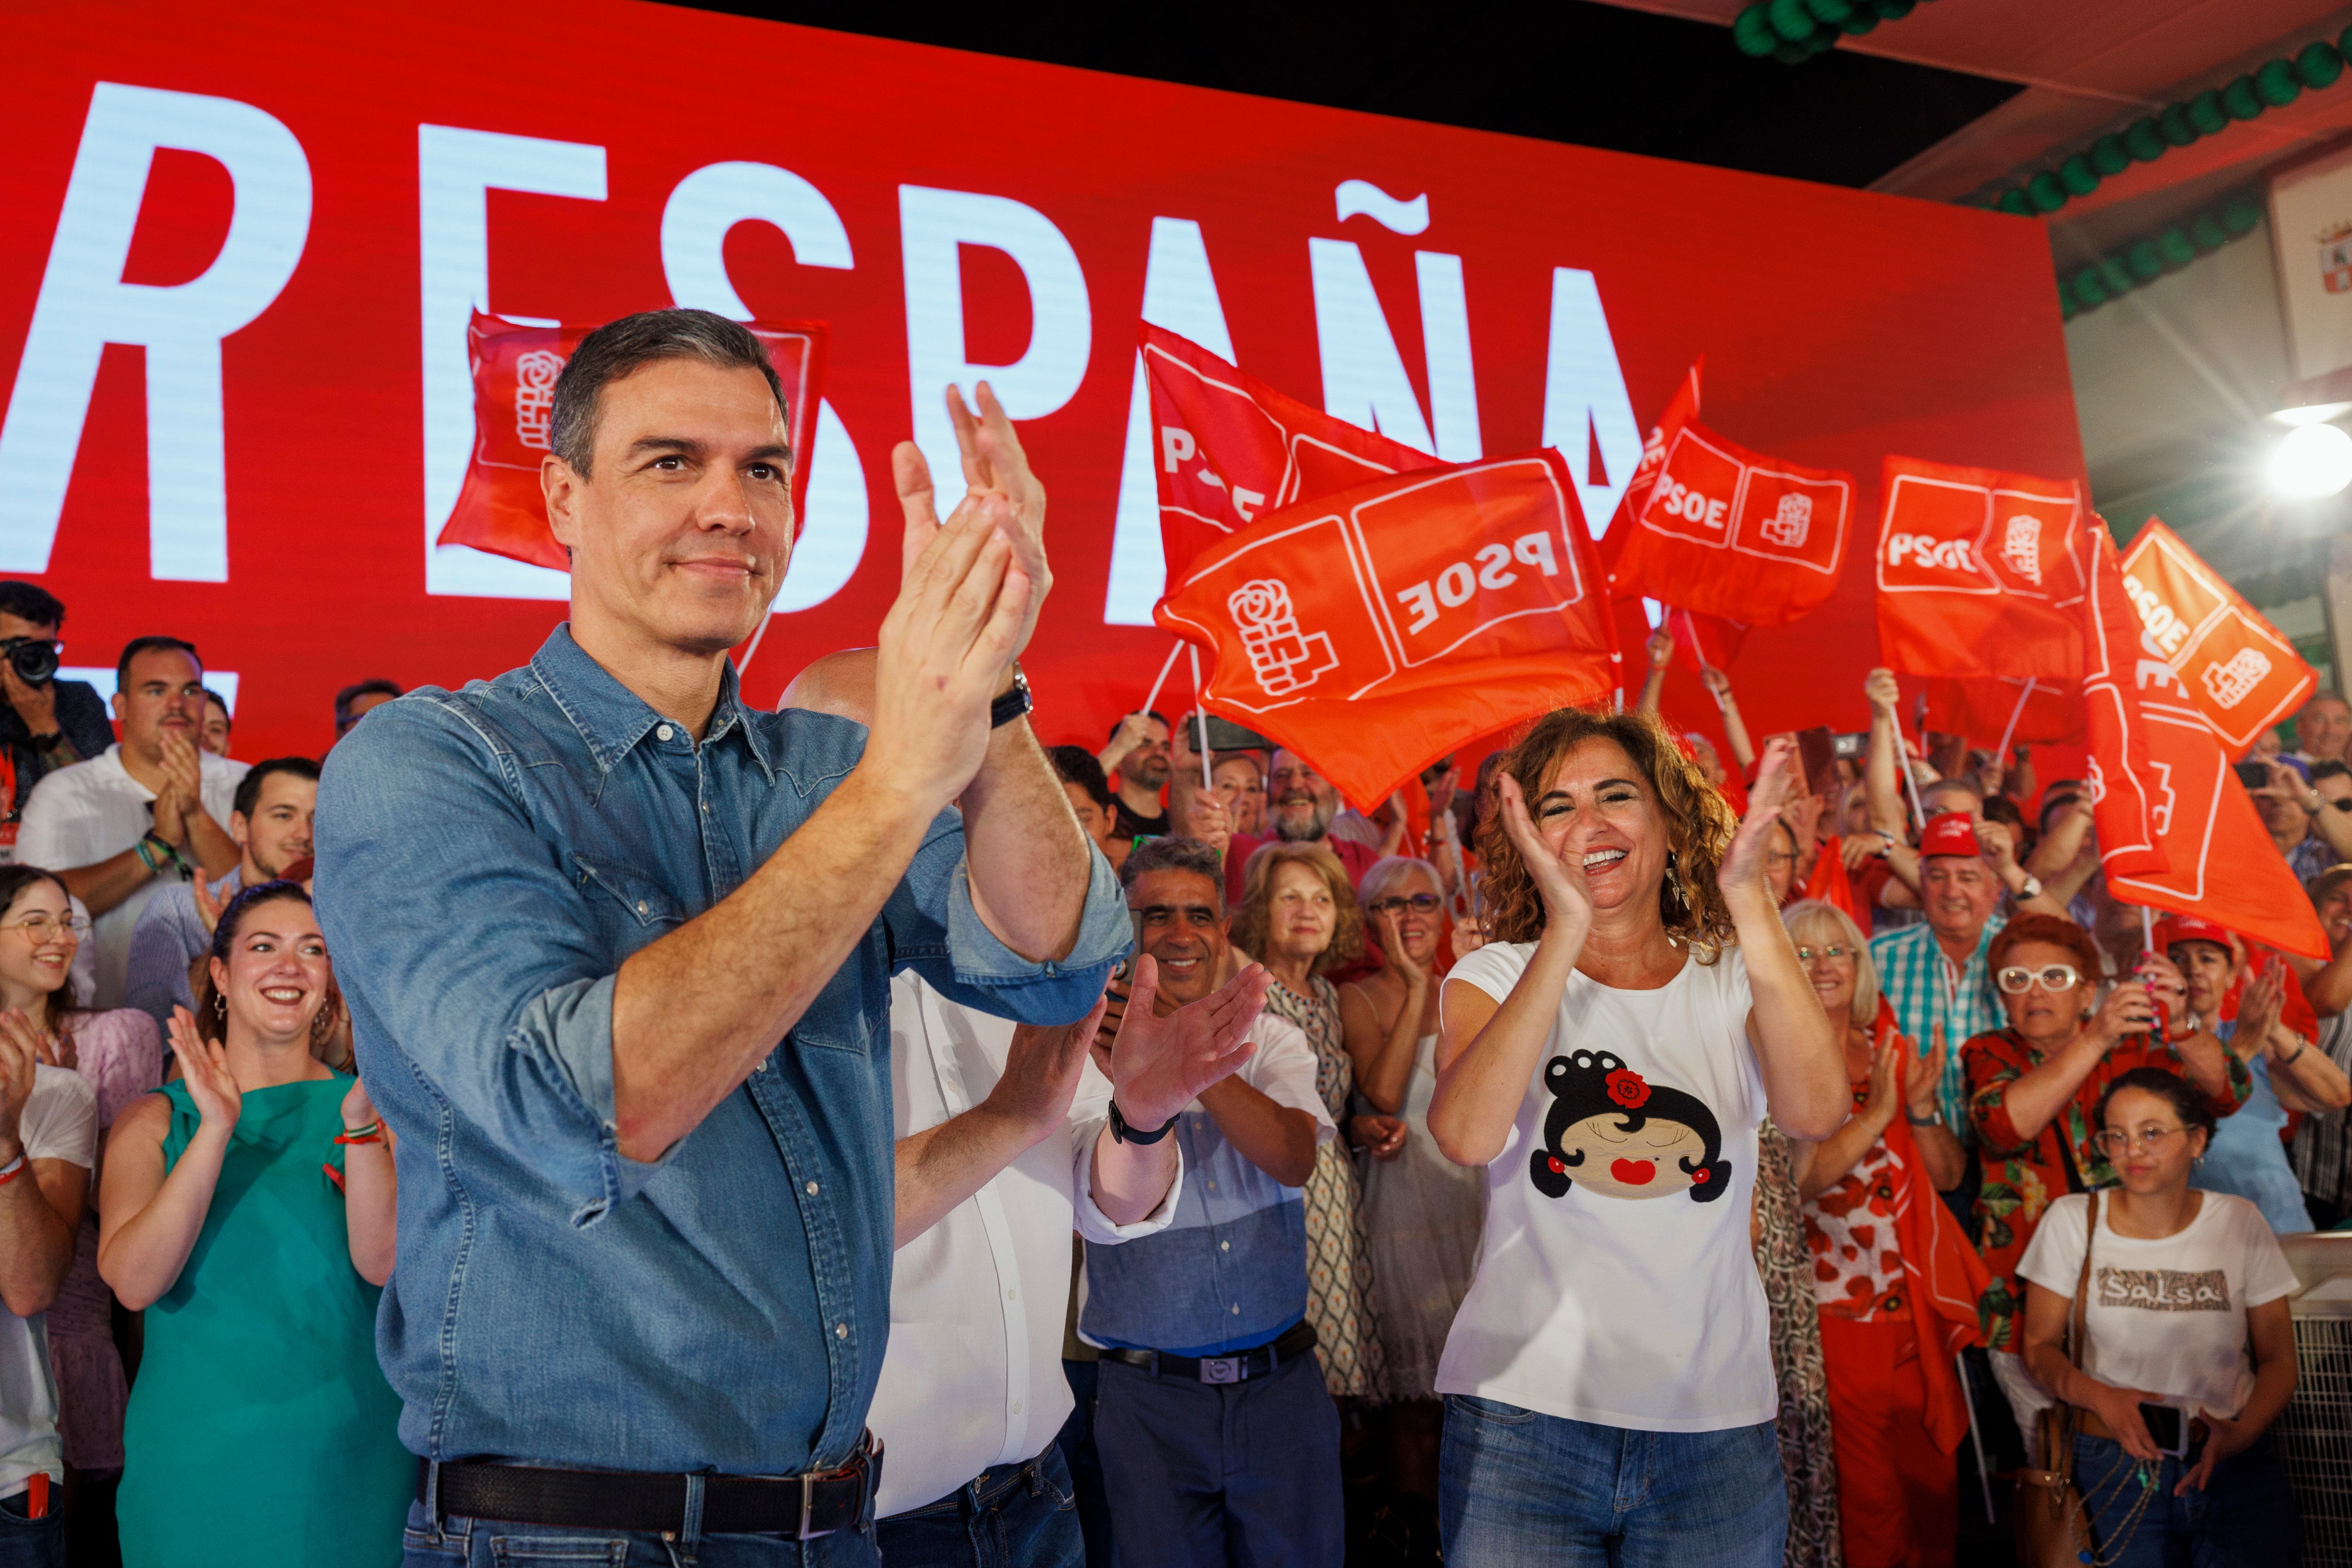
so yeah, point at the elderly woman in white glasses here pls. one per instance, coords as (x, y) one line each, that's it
(2034, 1090)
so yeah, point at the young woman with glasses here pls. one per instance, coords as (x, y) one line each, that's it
(1421, 1210)
(250, 1211)
(2183, 1283)
(2035, 1089)
(121, 1055)
(1895, 1283)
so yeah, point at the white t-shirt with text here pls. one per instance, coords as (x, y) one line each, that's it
(60, 1123)
(2169, 1315)
(1615, 1282)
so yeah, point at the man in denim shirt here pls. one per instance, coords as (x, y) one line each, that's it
(618, 949)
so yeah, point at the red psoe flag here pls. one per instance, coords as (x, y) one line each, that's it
(1375, 629)
(1985, 708)
(1980, 572)
(2127, 796)
(2238, 670)
(1680, 410)
(2220, 863)
(1733, 533)
(1230, 448)
(500, 508)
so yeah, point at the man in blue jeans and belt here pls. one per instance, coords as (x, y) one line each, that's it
(618, 952)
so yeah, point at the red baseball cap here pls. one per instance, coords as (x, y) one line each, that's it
(2173, 928)
(1953, 833)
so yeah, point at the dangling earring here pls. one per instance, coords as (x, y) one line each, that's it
(220, 1003)
(1676, 900)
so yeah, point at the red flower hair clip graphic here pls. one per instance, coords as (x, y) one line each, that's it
(1626, 1088)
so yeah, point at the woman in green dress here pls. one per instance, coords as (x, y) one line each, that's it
(248, 1208)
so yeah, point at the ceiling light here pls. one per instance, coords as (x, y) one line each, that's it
(2314, 461)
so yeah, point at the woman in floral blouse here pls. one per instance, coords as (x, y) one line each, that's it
(2032, 1089)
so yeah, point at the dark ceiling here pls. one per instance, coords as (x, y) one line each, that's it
(1573, 71)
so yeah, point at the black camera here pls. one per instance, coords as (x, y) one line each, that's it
(35, 659)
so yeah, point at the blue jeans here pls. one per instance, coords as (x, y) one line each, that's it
(1205, 1475)
(497, 1544)
(1518, 1489)
(31, 1543)
(1016, 1516)
(2244, 1516)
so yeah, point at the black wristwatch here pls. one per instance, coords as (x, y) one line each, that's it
(1012, 704)
(1122, 1134)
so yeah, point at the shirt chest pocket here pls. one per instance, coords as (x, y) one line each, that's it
(635, 910)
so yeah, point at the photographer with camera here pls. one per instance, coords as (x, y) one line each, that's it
(47, 723)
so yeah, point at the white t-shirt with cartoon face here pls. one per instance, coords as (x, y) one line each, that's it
(1615, 1281)
(2168, 1315)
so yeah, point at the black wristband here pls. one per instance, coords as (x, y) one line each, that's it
(1012, 704)
(1122, 1134)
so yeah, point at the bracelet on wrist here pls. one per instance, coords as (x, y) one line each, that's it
(1916, 1120)
(13, 1169)
(372, 1133)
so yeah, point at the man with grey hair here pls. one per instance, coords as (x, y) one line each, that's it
(1300, 804)
(1218, 1439)
(637, 1056)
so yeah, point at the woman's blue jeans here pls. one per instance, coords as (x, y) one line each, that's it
(2244, 1516)
(1516, 1488)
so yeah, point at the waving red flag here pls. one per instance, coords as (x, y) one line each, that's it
(1232, 448)
(1680, 410)
(2220, 862)
(1731, 533)
(2127, 794)
(1376, 629)
(2238, 670)
(500, 508)
(1986, 709)
(1980, 572)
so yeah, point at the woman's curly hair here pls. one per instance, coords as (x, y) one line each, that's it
(1699, 826)
(1253, 924)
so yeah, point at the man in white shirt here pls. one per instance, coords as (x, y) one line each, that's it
(147, 811)
(49, 1140)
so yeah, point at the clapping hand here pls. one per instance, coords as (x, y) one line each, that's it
(2262, 1001)
(20, 1058)
(204, 1066)
(1042, 1072)
(1743, 862)
(1160, 1063)
(1386, 926)
(1382, 1137)
(1923, 1080)
(1560, 878)
(208, 905)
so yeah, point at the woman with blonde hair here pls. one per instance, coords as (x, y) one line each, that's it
(1895, 1286)
(1298, 918)
(1609, 1058)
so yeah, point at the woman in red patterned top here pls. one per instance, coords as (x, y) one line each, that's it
(2032, 1089)
(1887, 1258)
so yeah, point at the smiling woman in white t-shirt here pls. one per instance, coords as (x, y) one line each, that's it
(1608, 1056)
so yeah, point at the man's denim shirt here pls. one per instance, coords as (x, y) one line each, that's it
(487, 858)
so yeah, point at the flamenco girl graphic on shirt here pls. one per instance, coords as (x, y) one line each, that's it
(1625, 1137)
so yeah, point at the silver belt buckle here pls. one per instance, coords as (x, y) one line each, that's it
(1221, 1369)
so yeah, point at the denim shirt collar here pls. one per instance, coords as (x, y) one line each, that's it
(612, 719)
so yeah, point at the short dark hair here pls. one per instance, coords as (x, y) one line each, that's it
(1077, 765)
(248, 788)
(28, 602)
(212, 696)
(2186, 1102)
(354, 691)
(1175, 853)
(622, 347)
(2330, 769)
(138, 645)
(1148, 713)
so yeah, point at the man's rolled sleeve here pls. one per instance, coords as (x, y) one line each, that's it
(498, 999)
(980, 969)
(1089, 1116)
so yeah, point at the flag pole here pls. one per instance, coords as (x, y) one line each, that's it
(2001, 752)
(1201, 714)
(1910, 780)
(745, 662)
(1153, 701)
(2146, 929)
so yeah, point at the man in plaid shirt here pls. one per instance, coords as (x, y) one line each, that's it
(1934, 974)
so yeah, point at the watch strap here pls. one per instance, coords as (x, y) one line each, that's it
(1122, 1134)
(1012, 704)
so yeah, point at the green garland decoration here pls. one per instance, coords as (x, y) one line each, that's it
(1794, 31)
(2145, 260)
(2272, 85)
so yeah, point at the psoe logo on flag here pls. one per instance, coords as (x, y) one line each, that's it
(2022, 548)
(535, 376)
(1282, 659)
(2231, 682)
(1788, 527)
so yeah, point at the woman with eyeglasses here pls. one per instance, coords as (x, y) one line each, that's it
(1421, 1210)
(1298, 918)
(122, 1056)
(2035, 1089)
(2183, 1286)
(248, 1209)
(1893, 1281)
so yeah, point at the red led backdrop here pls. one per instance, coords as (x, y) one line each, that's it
(243, 244)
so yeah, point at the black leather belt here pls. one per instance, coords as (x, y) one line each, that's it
(1239, 1367)
(801, 1507)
